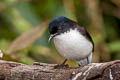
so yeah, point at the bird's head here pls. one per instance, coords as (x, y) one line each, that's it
(59, 25)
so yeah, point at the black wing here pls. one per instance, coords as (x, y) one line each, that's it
(84, 32)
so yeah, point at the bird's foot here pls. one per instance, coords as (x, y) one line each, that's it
(55, 67)
(36, 63)
(61, 66)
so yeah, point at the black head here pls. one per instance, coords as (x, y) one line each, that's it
(59, 25)
(62, 24)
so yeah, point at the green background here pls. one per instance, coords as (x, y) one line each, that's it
(24, 28)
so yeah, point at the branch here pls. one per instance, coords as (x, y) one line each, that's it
(95, 71)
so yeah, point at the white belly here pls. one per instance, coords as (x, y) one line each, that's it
(72, 45)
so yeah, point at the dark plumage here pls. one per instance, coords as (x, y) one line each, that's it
(62, 24)
(71, 40)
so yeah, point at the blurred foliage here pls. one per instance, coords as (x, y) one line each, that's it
(24, 28)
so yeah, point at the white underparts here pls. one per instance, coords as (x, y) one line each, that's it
(73, 45)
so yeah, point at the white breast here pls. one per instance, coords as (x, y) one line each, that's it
(72, 45)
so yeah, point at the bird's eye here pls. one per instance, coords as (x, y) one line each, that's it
(59, 28)
(54, 30)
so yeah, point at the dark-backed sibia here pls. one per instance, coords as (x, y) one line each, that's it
(71, 40)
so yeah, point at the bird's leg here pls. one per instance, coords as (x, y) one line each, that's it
(88, 61)
(64, 62)
(61, 65)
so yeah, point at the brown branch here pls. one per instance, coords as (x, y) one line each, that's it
(95, 71)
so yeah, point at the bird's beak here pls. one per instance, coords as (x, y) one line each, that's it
(51, 36)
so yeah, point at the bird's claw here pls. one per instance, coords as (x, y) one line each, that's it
(36, 63)
(61, 66)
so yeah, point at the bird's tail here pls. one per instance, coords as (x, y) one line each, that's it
(85, 61)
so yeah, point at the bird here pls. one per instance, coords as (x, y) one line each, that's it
(71, 40)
